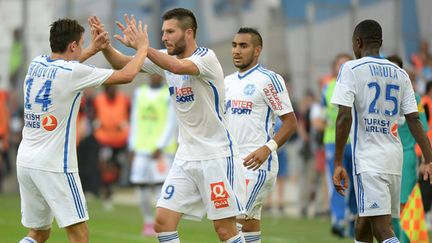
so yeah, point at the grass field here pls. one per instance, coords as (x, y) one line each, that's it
(123, 225)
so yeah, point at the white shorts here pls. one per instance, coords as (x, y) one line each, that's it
(259, 184)
(45, 195)
(377, 194)
(146, 170)
(194, 188)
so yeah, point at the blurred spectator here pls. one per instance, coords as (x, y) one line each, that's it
(88, 147)
(16, 57)
(4, 136)
(282, 174)
(410, 159)
(152, 144)
(422, 57)
(342, 209)
(425, 187)
(111, 131)
(312, 195)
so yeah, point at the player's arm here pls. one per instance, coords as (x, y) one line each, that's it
(117, 59)
(289, 125)
(139, 39)
(172, 64)
(343, 127)
(163, 60)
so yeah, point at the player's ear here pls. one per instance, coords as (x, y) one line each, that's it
(189, 33)
(73, 46)
(257, 51)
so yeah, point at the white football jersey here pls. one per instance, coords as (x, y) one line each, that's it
(199, 105)
(254, 98)
(379, 92)
(52, 95)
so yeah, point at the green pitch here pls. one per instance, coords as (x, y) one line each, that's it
(123, 224)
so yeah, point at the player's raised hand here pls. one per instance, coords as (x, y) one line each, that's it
(137, 36)
(125, 28)
(340, 175)
(255, 159)
(99, 37)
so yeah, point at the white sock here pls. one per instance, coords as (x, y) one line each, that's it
(356, 241)
(236, 239)
(391, 240)
(27, 239)
(252, 237)
(168, 237)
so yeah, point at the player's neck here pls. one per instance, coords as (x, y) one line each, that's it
(371, 52)
(249, 67)
(63, 56)
(190, 49)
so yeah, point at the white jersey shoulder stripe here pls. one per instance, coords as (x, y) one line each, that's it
(276, 83)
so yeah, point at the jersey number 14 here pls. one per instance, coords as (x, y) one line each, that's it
(43, 96)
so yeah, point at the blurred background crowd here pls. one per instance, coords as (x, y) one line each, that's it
(303, 41)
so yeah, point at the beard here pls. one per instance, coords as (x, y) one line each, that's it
(244, 64)
(179, 47)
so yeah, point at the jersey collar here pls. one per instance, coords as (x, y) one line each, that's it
(243, 75)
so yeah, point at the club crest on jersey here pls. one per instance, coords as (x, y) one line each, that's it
(183, 94)
(249, 89)
(239, 107)
(49, 123)
(219, 195)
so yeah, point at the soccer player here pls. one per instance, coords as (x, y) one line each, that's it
(206, 176)
(343, 210)
(372, 93)
(151, 140)
(255, 96)
(47, 168)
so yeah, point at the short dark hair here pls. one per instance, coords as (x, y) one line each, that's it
(256, 37)
(396, 59)
(63, 32)
(184, 16)
(369, 31)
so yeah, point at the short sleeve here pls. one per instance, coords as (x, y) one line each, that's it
(206, 61)
(85, 76)
(408, 103)
(276, 95)
(344, 91)
(151, 68)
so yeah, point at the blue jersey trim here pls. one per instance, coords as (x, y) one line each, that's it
(43, 64)
(216, 96)
(260, 182)
(66, 146)
(276, 83)
(380, 63)
(200, 51)
(267, 121)
(75, 194)
(248, 72)
(355, 138)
